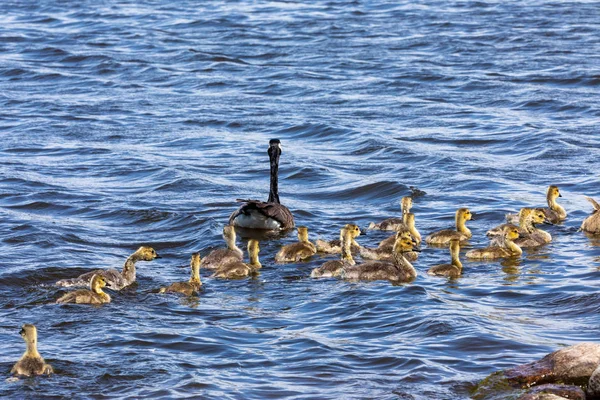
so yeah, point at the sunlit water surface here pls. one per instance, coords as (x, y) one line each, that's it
(140, 122)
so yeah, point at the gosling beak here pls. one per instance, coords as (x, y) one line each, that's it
(415, 248)
(414, 242)
(363, 232)
(547, 222)
(157, 256)
(559, 195)
(22, 332)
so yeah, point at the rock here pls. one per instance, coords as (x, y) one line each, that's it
(554, 392)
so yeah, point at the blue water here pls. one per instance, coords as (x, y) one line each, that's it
(125, 123)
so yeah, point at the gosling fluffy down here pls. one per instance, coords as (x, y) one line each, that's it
(31, 362)
(94, 295)
(299, 251)
(452, 270)
(190, 287)
(592, 223)
(462, 233)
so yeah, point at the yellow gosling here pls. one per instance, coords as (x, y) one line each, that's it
(490, 253)
(461, 233)
(592, 223)
(523, 218)
(335, 246)
(238, 269)
(31, 362)
(452, 270)
(386, 253)
(299, 251)
(85, 296)
(333, 268)
(190, 287)
(409, 226)
(393, 224)
(534, 237)
(220, 257)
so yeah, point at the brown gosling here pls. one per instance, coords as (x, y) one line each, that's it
(461, 233)
(393, 224)
(408, 226)
(220, 257)
(398, 271)
(115, 280)
(31, 362)
(555, 213)
(333, 268)
(239, 269)
(190, 287)
(534, 236)
(592, 223)
(335, 246)
(490, 253)
(523, 215)
(452, 270)
(385, 253)
(299, 251)
(86, 296)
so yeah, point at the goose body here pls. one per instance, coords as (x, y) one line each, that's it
(523, 216)
(452, 270)
(400, 270)
(393, 224)
(94, 295)
(407, 226)
(190, 287)
(592, 223)
(462, 233)
(31, 363)
(333, 268)
(510, 249)
(299, 251)
(269, 215)
(385, 253)
(220, 257)
(115, 280)
(554, 213)
(239, 269)
(335, 246)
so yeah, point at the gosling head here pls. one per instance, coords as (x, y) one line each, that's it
(353, 229)
(464, 214)
(511, 233)
(147, 253)
(303, 234)
(404, 244)
(29, 333)
(406, 235)
(253, 250)
(406, 204)
(195, 263)
(229, 233)
(538, 217)
(98, 282)
(553, 192)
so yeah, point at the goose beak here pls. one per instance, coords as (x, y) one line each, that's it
(22, 332)
(157, 256)
(363, 231)
(559, 195)
(547, 222)
(415, 248)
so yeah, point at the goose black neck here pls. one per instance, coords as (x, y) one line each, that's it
(274, 153)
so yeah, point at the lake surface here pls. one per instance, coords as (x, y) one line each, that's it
(140, 122)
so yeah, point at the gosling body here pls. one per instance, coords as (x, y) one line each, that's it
(510, 249)
(462, 233)
(386, 253)
(452, 270)
(554, 213)
(534, 237)
(299, 251)
(335, 246)
(592, 223)
(220, 257)
(115, 280)
(333, 268)
(31, 362)
(95, 295)
(239, 269)
(393, 224)
(408, 226)
(190, 287)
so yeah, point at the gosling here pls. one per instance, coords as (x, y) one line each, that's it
(85, 296)
(523, 215)
(385, 253)
(299, 251)
(333, 268)
(592, 223)
(393, 224)
(238, 269)
(408, 226)
(335, 246)
(461, 233)
(398, 271)
(221, 257)
(115, 280)
(555, 213)
(493, 252)
(534, 236)
(452, 270)
(31, 363)
(190, 287)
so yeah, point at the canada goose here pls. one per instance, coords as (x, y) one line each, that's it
(523, 214)
(31, 362)
(115, 280)
(333, 268)
(400, 270)
(220, 257)
(489, 253)
(392, 224)
(238, 269)
(385, 253)
(335, 246)
(299, 251)
(555, 213)
(269, 215)
(452, 270)
(592, 223)
(86, 296)
(190, 287)
(534, 237)
(408, 226)
(461, 233)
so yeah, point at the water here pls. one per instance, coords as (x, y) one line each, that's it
(139, 122)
